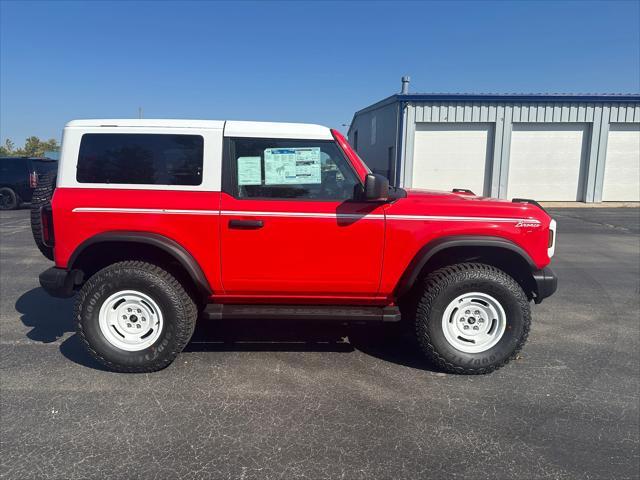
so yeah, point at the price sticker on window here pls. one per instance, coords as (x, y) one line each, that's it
(292, 166)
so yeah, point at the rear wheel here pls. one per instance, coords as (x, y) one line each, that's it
(42, 198)
(472, 318)
(134, 317)
(8, 199)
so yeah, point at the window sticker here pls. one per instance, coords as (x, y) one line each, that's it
(291, 166)
(249, 171)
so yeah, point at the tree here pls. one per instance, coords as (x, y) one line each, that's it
(7, 150)
(33, 147)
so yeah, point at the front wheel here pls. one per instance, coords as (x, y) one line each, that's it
(134, 317)
(472, 318)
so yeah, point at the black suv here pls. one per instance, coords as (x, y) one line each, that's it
(19, 177)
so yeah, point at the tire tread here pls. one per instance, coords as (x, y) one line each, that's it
(185, 324)
(440, 279)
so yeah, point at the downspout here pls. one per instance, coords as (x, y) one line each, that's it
(397, 167)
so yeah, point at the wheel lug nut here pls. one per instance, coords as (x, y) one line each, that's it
(466, 327)
(477, 312)
(138, 326)
(124, 317)
(129, 325)
(139, 311)
(144, 319)
(467, 312)
(475, 327)
(128, 309)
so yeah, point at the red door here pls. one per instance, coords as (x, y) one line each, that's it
(299, 234)
(301, 247)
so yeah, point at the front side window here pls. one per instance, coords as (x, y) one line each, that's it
(140, 158)
(284, 169)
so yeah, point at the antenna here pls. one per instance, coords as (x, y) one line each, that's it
(139, 112)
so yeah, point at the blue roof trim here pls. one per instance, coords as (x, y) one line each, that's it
(522, 97)
(505, 97)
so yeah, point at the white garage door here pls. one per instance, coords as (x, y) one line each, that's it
(546, 161)
(451, 155)
(622, 165)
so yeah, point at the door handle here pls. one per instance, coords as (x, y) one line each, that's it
(246, 224)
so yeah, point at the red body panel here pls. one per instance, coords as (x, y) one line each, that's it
(198, 234)
(304, 248)
(406, 237)
(306, 251)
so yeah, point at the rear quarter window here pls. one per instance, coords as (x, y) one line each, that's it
(142, 159)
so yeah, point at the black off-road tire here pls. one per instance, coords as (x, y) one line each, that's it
(42, 198)
(444, 285)
(9, 199)
(178, 310)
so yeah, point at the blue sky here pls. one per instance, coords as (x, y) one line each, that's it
(295, 61)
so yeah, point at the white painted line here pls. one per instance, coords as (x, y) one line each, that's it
(444, 218)
(355, 216)
(162, 211)
(302, 215)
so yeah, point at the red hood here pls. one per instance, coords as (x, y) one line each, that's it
(452, 196)
(422, 201)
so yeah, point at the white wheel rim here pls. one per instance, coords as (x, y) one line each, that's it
(130, 320)
(474, 322)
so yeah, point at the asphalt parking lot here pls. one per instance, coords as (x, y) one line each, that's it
(264, 400)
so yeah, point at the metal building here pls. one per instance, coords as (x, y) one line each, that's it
(549, 147)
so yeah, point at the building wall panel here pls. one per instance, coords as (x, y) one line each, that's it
(452, 155)
(597, 116)
(546, 161)
(622, 168)
(376, 155)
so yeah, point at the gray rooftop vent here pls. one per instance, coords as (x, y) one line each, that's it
(405, 85)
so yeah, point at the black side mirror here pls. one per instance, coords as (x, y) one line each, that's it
(376, 188)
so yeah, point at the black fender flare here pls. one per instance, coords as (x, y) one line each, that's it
(421, 258)
(173, 248)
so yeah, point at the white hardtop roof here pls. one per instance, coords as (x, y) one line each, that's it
(231, 128)
(276, 130)
(146, 122)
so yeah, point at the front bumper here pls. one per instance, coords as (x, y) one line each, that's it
(59, 282)
(546, 283)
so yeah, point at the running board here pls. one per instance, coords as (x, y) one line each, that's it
(302, 312)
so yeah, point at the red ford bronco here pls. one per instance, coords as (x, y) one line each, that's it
(154, 223)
